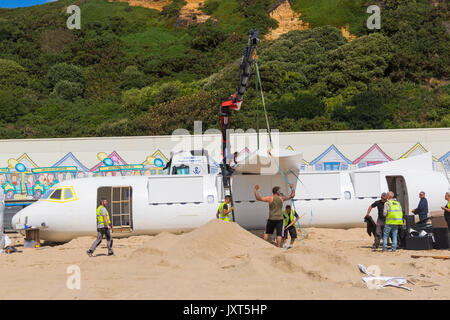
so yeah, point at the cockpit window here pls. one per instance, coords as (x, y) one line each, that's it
(67, 194)
(56, 195)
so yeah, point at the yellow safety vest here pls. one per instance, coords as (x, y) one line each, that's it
(394, 213)
(100, 220)
(288, 218)
(221, 215)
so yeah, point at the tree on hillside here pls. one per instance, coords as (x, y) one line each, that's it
(357, 63)
(67, 90)
(131, 77)
(12, 74)
(363, 111)
(65, 72)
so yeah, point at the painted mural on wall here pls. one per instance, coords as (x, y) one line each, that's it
(23, 179)
(372, 157)
(331, 160)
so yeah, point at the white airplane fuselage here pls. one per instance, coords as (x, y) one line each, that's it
(181, 203)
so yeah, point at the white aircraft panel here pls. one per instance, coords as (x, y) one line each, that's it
(366, 184)
(243, 186)
(169, 190)
(318, 186)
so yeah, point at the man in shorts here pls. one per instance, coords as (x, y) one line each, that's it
(290, 219)
(275, 221)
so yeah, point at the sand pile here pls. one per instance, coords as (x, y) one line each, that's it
(213, 240)
(220, 260)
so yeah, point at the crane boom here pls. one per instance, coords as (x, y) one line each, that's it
(235, 101)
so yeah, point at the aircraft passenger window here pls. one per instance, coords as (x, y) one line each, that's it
(68, 193)
(56, 195)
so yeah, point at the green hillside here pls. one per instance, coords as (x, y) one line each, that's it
(138, 71)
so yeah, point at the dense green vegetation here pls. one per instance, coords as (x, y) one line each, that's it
(136, 71)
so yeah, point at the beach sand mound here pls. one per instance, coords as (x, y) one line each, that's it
(214, 240)
(221, 260)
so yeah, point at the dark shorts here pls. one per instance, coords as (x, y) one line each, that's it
(292, 231)
(275, 225)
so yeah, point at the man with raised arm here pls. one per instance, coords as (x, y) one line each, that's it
(275, 220)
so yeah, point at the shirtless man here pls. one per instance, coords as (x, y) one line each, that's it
(275, 220)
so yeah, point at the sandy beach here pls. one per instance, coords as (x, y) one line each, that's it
(221, 260)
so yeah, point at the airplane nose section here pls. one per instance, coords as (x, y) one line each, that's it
(15, 220)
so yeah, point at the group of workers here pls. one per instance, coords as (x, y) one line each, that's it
(390, 217)
(283, 221)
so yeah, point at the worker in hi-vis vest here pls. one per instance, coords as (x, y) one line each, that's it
(290, 219)
(394, 219)
(223, 213)
(103, 228)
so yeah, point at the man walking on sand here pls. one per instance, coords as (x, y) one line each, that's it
(103, 228)
(275, 220)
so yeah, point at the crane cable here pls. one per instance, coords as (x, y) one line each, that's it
(303, 234)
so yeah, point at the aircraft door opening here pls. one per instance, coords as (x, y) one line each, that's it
(119, 207)
(397, 185)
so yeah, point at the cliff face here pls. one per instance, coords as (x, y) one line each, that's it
(191, 12)
(151, 4)
(288, 20)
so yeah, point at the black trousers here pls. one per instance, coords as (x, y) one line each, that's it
(100, 233)
(379, 232)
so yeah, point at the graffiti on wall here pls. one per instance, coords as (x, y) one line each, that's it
(23, 179)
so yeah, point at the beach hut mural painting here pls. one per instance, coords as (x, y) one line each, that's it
(371, 157)
(304, 163)
(51, 177)
(331, 160)
(111, 160)
(154, 164)
(18, 182)
(69, 160)
(445, 160)
(418, 149)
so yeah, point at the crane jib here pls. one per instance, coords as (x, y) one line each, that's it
(234, 103)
